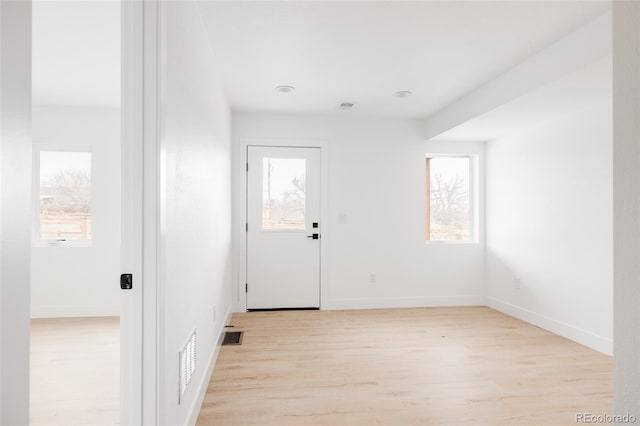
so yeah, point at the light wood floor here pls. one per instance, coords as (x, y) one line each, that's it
(428, 366)
(75, 371)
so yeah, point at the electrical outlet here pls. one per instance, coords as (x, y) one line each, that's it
(372, 277)
(214, 314)
(517, 283)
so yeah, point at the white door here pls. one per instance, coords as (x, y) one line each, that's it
(283, 227)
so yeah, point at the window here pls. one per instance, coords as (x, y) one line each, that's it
(64, 196)
(283, 193)
(449, 198)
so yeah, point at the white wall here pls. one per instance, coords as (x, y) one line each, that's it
(376, 178)
(15, 208)
(626, 199)
(82, 281)
(196, 208)
(549, 226)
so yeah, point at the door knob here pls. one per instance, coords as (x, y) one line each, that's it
(314, 236)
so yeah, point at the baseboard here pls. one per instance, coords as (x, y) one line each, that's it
(72, 311)
(584, 337)
(194, 410)
(403, 302)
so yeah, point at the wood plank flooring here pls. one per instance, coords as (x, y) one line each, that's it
(426, 366)
(75, 371)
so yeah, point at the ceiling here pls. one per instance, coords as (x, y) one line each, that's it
(76, 53)
(332, 52)
(363, 52)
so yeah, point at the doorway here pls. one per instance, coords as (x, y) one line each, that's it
(283, 227)
(76, 213)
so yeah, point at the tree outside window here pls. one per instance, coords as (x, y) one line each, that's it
(449, 213)
(65, 195)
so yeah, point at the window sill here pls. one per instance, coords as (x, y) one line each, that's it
(61, 244)
(451, 242)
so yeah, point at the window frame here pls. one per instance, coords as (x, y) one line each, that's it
(474, 191)
(35, 229)
(304, 229)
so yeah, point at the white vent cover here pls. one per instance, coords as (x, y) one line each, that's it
(345, 105)
(187, 364)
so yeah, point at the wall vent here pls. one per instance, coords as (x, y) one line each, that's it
(187, 364)
(346, 105)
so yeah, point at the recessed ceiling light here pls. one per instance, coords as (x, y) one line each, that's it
(345, 105)
(402, 94)
(285, 89)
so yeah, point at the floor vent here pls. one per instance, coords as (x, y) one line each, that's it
(232, 338)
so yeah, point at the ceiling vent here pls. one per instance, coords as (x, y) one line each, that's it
(345, 105)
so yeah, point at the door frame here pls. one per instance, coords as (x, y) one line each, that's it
(240, 211)
(141, 44)
(131, 300)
